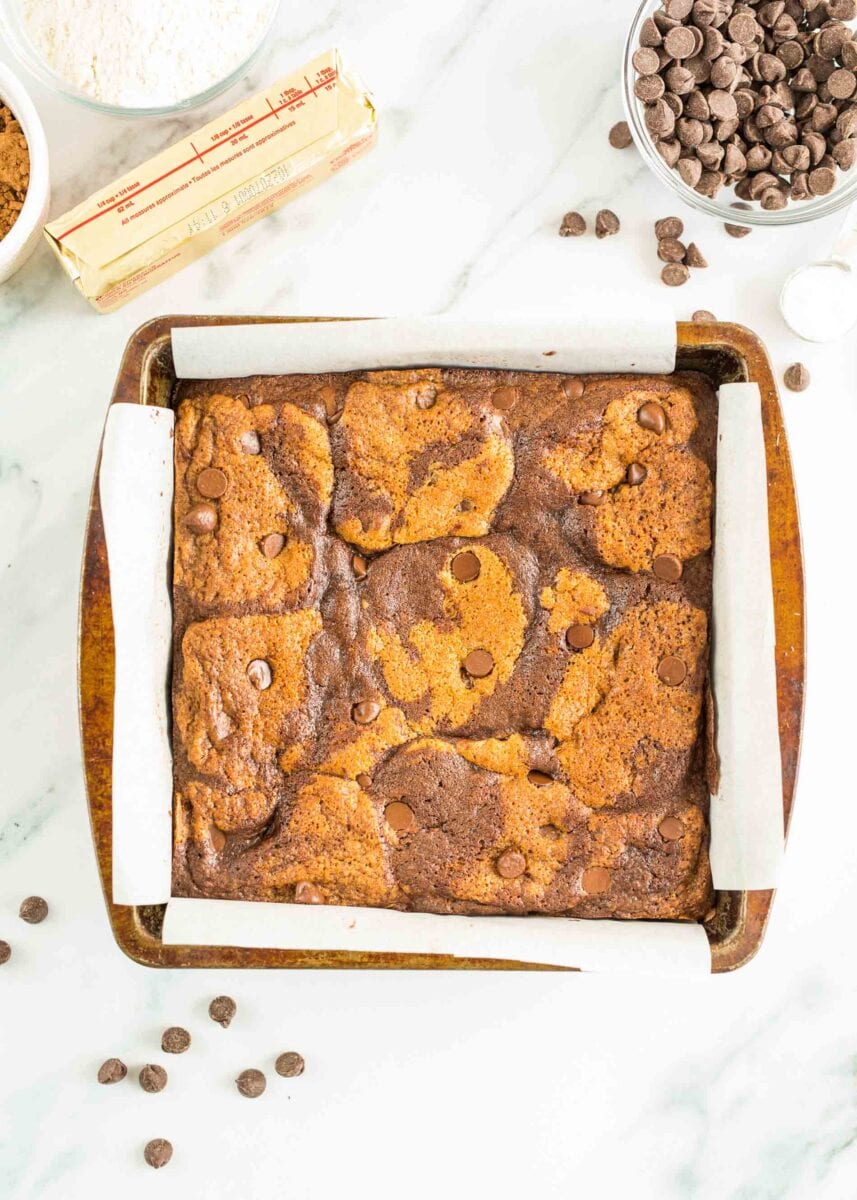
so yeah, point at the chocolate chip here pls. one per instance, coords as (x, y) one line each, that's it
(217, 838)
(738, 231)
(466, 567)
(606, 223)
(201, 518)
(675, 274)
(175, 1040)
(620, 136)
(112, 1070)
(259, 674)
(649, 88)
(250, 443)
(5, 952)
(211, 483)
(596, 880)
(359, 566)
(652, 417)
(796, 378)
(290, 1064)
(222, 1009)
(511, 864)
(578, 637)
(668, 567)
(573, 389)
(272, 544)
(743, 29)
(158, 1152)
(703, 316)
(672, 671)
(573, 225)
(646, 61)
(33, 910)
(400, 817)
(479, 663)
(307, 893)
(504, 397)
(591, 498)
(671, 250)
(822, 181)
(330, 400)
(251, 1083)
(539, 778)
(635, 474)
(671, 829)
(695, 258)
(680, 42)
(364, 712)
(153, 1078)
(363, 781)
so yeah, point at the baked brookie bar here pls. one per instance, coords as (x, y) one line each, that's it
(441, 641)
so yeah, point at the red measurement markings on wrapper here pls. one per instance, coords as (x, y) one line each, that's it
(324, 83)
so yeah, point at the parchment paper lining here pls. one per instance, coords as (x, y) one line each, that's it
(747, 833)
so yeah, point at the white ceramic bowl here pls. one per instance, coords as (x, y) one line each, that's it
(22, 239)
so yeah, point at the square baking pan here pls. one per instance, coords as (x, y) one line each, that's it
(725, 354)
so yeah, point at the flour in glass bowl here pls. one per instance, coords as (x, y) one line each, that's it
(145, 53)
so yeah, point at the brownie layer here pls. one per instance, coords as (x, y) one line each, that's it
(441, 641)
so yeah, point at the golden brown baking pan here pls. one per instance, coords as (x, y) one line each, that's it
(725, 353)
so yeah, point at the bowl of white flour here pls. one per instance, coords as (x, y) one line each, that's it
(138, 57)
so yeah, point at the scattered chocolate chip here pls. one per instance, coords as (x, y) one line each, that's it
(158, 1152)
(5, 952)
(400, 817)
(359, 566)
(504, 397)
(669, 227)
(307, 893)
(702, 316)
(573, 225)
(591, 498)
(222, 1009)
(738, 231)
(290, 1064)
(259, 674)
(153, 1078)
(578, 637)
(606, 223)
(363, 781)
(201, 518)
(364, 712)
(620, 136)
(635, 474)
(211, 483)
(539, 778)
(466, 567)
(511, 864)
(651, 416)
(33, 910)
(671, 250)
(250, 443)
(695, 258)
(251, 1083)
(671, 829)
(573, 389)
(113, 1070)
(672, 671)
(175, 1040)
(668, 567)
(675, 274)
(479, 663)
(272, 544)
(595, 880)
(796, 378)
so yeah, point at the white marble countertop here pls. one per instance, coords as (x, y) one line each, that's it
(494, 119)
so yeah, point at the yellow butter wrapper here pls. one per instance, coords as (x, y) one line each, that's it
(242, 166)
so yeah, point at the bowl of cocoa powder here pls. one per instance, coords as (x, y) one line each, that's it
(24, 175)
(747, 105)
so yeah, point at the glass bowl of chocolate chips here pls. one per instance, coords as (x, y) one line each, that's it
(749, 106)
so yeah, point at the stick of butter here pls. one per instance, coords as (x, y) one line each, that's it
(174, 208)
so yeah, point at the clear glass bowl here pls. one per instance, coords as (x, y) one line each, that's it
(797, 211)
(13, 31)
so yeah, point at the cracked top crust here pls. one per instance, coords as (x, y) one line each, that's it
(441, 641)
